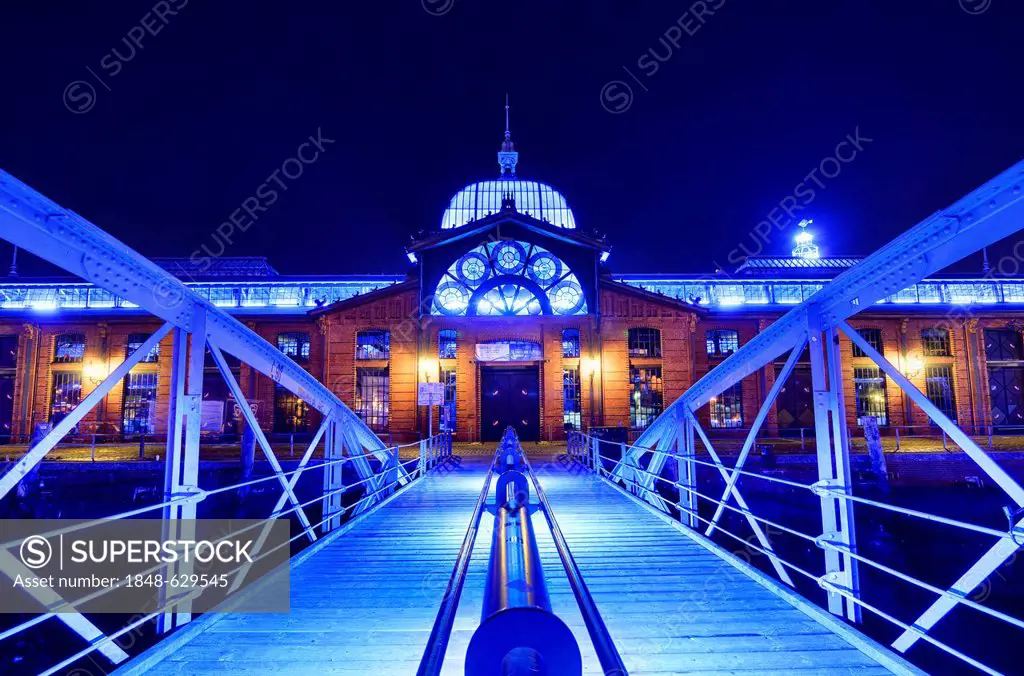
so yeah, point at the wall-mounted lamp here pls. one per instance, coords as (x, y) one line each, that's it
(411, 255)
(590, 366)
(428, 370)
(95, 372)
(913, 368)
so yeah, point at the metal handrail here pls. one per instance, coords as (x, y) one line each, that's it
(578, 451)
(604, 646)
(441, 631)
(423, 465)
(820, 490)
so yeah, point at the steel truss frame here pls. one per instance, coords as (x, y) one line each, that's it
(984, 216)
(38, 225)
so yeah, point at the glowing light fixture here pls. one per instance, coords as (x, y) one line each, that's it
(95, 372)
(428, 369)
(913, 368)
(805, 246)
(605, 255)
(411, 255)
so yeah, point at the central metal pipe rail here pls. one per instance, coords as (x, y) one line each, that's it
(604, 646)
(519, 635)
(441, 632)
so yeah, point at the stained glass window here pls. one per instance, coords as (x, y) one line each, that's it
(509, 278)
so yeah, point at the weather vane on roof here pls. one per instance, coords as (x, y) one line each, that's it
(508, 158)
(805, 246)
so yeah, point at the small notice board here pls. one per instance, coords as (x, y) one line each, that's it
(430, 394)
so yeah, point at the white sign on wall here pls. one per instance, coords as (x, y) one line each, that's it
(430, 394)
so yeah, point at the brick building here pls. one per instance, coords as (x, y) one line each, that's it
(517, 313)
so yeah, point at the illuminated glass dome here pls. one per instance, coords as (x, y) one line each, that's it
(481, 199)
(534, 199)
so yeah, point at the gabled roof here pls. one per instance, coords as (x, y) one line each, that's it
(474, 228)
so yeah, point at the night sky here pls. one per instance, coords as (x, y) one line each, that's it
(412, 93)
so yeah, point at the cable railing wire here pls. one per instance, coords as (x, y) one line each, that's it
(440, 450)
(580, 452)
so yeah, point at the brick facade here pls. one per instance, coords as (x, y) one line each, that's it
(414, 343)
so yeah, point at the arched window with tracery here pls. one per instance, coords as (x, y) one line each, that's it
(509, 278)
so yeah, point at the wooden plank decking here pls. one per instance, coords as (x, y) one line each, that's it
(365, 603)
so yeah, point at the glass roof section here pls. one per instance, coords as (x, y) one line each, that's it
(533, 198)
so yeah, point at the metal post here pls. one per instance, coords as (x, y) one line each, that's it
(172, 459)
(823, 403)
(802, 446)
(333, 475)
(945, 447)
(841, 457)
(897, 438)
(291, 445)
(686, 472)
(92, 449)
(189, 473)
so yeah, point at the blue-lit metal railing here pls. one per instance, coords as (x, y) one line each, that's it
(505, 584)
(389, 477)
(588, 451)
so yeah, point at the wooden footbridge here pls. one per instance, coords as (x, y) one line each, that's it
(365, 599)
(413, 557)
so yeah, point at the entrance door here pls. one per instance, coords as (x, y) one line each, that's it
(1006, 392)
(795, 404)
(509, 396)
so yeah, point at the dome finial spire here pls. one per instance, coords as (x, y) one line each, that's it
(508, 158)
